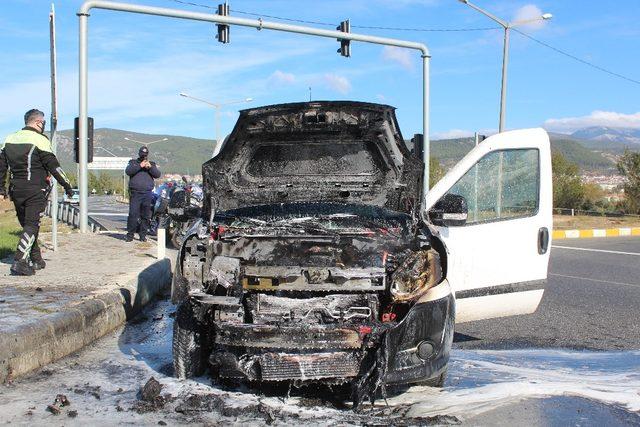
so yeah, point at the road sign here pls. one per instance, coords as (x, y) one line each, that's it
(111, 163)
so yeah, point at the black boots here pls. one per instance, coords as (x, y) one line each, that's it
(21, 267)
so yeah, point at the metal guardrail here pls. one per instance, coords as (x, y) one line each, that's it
(70, 215)
(574, 212)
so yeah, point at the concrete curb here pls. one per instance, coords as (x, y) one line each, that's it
(31, 346)
(596, 232)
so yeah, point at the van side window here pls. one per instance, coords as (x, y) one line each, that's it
(502, 185)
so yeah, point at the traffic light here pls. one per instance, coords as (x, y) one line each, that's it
(76, 139)
(418, 145)
(223, 30)
(345, 45)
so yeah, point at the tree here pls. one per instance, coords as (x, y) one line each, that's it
(436, 172)
(629, 167)
(568, 190)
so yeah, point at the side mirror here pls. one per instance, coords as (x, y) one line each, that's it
(450, 211)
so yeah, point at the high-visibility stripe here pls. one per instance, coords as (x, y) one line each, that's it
(29, 162)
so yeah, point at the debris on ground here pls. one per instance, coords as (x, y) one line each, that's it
(223, 404)
(72, 414)
(53, 409)
(59, 402)
(150, 398)
(150, 390)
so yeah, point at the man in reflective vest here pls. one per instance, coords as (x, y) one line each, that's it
(27, 155)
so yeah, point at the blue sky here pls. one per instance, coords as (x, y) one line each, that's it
(139, 64)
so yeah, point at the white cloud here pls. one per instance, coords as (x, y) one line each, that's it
(380, 97)
(403, 57)
(338, 83)
(528, 12)
(281, 77)
(596, 118)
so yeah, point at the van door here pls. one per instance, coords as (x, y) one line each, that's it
(497, 259)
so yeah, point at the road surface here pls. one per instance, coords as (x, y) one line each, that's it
(574, 362)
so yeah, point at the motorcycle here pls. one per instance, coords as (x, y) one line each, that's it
(160, 217)
(184, 210)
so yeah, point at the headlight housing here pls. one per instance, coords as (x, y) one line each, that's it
(419, 272)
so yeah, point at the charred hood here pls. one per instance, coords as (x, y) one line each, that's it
(326, 151)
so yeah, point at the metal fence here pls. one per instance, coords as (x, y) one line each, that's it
(574, 212)
(71, 215)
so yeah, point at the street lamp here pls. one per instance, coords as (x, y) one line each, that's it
(505, 53)
(217, 107)
(146, 143)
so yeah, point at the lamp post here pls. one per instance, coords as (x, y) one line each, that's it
(146, 143)
(217, 107)
(505, 52)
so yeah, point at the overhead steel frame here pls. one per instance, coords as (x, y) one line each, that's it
(259, 24)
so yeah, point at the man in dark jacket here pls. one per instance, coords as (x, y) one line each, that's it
(141, 173)
(27, 154)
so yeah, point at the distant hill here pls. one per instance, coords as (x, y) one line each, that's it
(627, 136)
(450, 151)
(178, 154)
(184, 155)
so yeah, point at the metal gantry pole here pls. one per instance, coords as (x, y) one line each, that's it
(426, 151)
(83, 148)
(259, 24)
(53, 125)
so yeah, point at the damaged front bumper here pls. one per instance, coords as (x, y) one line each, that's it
(415, 349)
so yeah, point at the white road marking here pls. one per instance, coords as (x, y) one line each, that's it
(596, 250)
(595, 280)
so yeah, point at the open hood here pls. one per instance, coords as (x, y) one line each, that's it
(324, 151)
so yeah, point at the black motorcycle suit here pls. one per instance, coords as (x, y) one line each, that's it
(27, 155)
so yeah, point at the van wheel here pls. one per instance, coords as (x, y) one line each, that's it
(188, 355)
(435, 381)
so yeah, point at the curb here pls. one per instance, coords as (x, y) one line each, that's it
(33, 345)
(597, 232)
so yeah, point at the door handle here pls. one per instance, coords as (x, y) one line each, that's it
(543, 240)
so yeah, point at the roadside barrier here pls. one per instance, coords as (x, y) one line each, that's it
(596, 232)
(71, 215)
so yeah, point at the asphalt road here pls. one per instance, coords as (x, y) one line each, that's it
(591, 302)
(109, 212)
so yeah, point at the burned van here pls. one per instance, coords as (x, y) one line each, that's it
(319, 258)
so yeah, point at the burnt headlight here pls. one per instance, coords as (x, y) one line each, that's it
(419, 272)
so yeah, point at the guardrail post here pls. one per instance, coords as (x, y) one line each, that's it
(572, 212)
(162, 240)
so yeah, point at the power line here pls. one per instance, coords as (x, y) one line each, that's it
(575, 58)
(548, 46)
(329, 24)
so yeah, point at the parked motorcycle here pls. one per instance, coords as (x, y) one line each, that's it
(162, 196)
(184, 210)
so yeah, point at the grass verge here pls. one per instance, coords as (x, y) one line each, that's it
(584, 222)
(9, 233)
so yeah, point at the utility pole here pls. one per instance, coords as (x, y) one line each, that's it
(53, 125)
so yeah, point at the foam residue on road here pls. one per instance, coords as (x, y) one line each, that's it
(102, 384)
(483, 380)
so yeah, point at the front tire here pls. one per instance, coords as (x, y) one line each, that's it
(189, 358)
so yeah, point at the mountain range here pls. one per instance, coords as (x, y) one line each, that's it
(594, 149)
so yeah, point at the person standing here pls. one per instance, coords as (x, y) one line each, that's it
(141, 173)
(28, 156)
